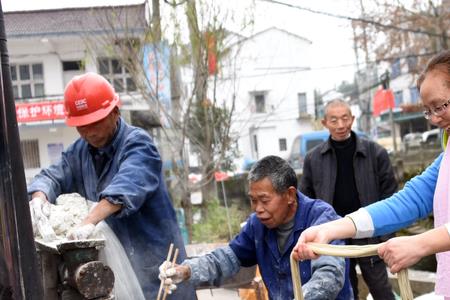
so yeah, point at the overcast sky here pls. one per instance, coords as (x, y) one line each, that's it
(333, 58)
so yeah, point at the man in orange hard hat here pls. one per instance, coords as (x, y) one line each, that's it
(118, 166)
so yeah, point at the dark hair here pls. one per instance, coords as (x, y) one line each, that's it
(277, 170)
(439, 61)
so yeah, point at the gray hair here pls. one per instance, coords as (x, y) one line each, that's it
(277, 170)
(335, 102)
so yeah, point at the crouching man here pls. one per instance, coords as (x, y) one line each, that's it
(281, 213)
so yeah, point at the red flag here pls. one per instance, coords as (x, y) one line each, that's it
(383, 100)
(212, 52)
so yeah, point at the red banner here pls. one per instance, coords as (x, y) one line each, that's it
(221, 176)
(383, 100)
(211, 47)
(39, 111)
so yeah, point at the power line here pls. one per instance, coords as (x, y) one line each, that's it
(378, 24)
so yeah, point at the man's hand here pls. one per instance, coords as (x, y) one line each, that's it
(39, 207)
(81, 232)
(171, 275)
(40, 212)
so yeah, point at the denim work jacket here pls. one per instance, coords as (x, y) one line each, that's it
(132, 177)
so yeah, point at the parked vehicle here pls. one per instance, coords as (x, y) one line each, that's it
(412, 140)
(305, 142)
(415, 159)
(432, 137)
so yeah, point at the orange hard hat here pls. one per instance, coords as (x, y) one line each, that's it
(88, 98)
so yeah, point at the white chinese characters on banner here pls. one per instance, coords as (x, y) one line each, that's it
(39, 111)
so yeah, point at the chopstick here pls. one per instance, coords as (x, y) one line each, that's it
(174, 260)
(169, 254)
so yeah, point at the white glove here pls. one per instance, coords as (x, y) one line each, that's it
(170, 275)
(81, 232)
(39, 212)
(39, 206)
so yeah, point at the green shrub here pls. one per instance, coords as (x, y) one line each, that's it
(213, 227)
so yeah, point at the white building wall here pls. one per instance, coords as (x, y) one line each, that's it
(51, 53)
(276, 63)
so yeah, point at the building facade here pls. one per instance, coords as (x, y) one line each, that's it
(266, 78)
(46, 49)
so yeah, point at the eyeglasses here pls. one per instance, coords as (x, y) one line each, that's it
(437, 111)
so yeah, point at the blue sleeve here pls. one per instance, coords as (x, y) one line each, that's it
(213, 267)
(243, 245)
(413, 202)
(326, 271)
(55, 180)
(138, 176)
(329, 272)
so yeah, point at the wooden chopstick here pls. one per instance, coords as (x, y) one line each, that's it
(174, 260)
(169, 255)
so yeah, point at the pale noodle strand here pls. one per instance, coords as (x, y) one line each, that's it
(347, 251)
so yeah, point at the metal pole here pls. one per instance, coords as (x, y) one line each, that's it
(385, 81)
(19, 278)
(226, 208)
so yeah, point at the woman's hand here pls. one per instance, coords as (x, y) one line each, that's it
(316, 234)
(323, 234)
(401, 252)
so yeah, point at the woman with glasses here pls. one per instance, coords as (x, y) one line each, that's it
(425, 193)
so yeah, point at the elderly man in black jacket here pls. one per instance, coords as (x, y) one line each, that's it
(350, 172)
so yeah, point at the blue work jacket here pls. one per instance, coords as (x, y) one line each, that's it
(132, 177)
(256, 244)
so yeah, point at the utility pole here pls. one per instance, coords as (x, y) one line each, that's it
(156, 21)
(364, 74)
(19, 274)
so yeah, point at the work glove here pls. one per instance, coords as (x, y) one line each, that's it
(81, 232)
(170, 274)
(39, 207)
(40, 212)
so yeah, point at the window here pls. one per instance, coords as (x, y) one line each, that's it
(30, 154)
(398, 96)
(302, 105)
(113, 70)
(412, 64)
(396, 71)
(283, 144)
(414, 95)
(27, 80)
(255, 144)
(260, 103)
(72, 65)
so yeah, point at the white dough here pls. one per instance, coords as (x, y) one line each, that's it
(69, 211)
